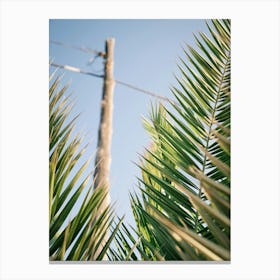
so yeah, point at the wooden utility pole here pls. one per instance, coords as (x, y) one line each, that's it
(103, 155)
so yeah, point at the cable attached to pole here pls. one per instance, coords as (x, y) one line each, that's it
(78, 70)
(83, 49)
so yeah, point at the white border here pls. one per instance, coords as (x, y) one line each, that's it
(255, 138)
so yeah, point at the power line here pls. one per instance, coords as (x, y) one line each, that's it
(83, 49)
(144, 91)
(75, 69)
(78, 70)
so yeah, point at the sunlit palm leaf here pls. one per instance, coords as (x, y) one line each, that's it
(184, 211)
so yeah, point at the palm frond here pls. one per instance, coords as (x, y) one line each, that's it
(184, 209)
(76, 231)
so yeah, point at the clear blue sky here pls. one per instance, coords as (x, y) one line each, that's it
(146, 53)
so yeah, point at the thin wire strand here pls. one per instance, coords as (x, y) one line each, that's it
(83, 49)
(78, 70)
(145, 91)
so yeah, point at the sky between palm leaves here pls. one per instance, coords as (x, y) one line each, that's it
(146, 53)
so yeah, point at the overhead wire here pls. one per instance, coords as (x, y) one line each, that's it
(83, 49)
(144, 91)
(75, 69)
(136, 88)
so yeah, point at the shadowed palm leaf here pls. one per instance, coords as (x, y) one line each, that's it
(76, 231)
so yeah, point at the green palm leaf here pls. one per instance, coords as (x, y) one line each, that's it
(77, 230)
(184, 210)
